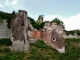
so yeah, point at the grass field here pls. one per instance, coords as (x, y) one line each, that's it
(41, 51)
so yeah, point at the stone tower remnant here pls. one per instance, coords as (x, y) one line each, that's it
(52, 35)
(40, 19)
(19, 32)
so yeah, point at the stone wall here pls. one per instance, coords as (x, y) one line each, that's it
(52, 34)
(4, 31)
(71, 36)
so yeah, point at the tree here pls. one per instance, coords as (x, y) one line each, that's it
(13, 13)
(62, 24)
(59, 22)
(42, 24)
(7, 16)
(0, 20)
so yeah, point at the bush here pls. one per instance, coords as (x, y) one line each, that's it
(1, 20)
(7, 16)
(35, 24)
(59, 22)
(78, 32)
(6, 42)
(69, 32)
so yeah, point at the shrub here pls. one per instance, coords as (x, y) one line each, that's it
(69, 32)
(78, 32)
(6, 42)
(1, 20)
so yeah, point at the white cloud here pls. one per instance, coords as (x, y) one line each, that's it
(13, 2)
(71, 23)
(1, 5)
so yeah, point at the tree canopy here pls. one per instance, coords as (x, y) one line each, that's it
(7, 16)
(36, 24)
(59, 22)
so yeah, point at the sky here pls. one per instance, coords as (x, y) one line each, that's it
(67, 11)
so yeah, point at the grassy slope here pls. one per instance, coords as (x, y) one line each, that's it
(41, 51)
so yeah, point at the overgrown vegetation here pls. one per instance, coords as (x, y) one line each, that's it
(69, 32)
(59, 22)
(7, 16)
(72, 32)
(1, 20)
(78, 32)
(41, 51)
(35, 24)
(6, 42)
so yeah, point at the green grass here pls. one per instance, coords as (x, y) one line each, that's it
(41, 51)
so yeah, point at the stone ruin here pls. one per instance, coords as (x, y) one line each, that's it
(52, 34)
(23, 33)
(40, 19)
(19, 32)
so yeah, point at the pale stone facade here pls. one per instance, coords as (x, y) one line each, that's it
(4, 31)
(52, 34)
(40, 19)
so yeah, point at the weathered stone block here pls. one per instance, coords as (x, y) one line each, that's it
(19, 32)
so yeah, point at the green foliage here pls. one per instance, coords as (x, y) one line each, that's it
(72, 32)
(78, 32)
(44, 52)
(41, 51)
(12, 56)
(35, 24)
(42, 24)
(6, 42)
(13, 14)
(59, 22)
(56, 20)
(62, 24)
(1, 20)
(40, 44)
(39, 18)
(11, 17)
(4, 50)
(69, 32)
(7, 16)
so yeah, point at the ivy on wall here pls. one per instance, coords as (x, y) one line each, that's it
(7, 16)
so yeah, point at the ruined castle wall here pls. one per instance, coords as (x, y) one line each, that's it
(46, 36)
(4, 31)
(71, 36)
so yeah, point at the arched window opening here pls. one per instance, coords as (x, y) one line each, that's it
(53, 39)
(45, 29)
(22, 23)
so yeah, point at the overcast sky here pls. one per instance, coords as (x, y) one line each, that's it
(66, 10)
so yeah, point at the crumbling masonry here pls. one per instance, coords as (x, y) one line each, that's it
(22, 33)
